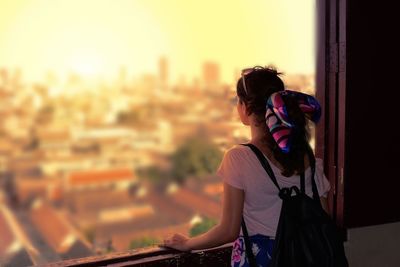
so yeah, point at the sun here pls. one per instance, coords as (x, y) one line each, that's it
(87, 64)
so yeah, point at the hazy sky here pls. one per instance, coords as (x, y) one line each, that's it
(99, 36)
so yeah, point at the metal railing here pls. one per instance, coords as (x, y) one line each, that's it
(154, 256)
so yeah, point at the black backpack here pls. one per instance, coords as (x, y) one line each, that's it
(306, 235)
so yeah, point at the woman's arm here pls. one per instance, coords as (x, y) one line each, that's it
(226, 231)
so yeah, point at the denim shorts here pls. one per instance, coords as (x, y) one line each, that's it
(262, 247)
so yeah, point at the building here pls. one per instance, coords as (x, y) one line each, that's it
(58, 232)
(109, 178)
(13, 249)
(163, 72)
(211, 75)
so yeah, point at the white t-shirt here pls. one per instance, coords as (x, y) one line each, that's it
(241, 168)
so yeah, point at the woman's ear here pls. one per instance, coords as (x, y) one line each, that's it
(242, 110)
(245, 110)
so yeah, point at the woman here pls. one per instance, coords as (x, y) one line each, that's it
(279, 128)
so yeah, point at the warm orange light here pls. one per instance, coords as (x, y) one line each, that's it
(87, 65)
(92, 36)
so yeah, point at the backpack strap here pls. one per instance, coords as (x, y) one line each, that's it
(247, 244)
(302, 183)
(302, 180)
(264, 163)
(268, 169)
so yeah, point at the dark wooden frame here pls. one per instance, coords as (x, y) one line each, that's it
(357, 137)
(331, 93)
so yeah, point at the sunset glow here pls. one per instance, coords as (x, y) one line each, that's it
(98, 37)
(116, 115)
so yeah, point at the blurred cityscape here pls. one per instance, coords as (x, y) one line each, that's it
(90, 166)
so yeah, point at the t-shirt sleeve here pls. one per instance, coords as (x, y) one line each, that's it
(323, 185)
(229, 169)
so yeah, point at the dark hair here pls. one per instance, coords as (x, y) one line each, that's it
(260, 84)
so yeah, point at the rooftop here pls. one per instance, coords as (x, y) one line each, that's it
(58, 233)
(7, 236)
(99, 176)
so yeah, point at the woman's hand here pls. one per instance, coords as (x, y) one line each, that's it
(178, 242)
(226, 231)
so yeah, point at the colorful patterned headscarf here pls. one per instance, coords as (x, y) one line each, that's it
(277, 118)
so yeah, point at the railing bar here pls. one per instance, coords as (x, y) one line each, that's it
(134, 257)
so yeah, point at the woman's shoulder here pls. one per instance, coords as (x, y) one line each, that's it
(237, 150)
(240, 154)
(319, 164)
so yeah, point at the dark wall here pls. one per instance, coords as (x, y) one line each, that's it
(372, 161)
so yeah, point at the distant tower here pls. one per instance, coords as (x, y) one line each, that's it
(17, 78)
(4, 78)
(122, 77)
(51, 79)
(163, 72)
(236, 75)
(211, 74)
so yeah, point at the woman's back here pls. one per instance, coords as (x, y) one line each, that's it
(278, 121)
(240, 168)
